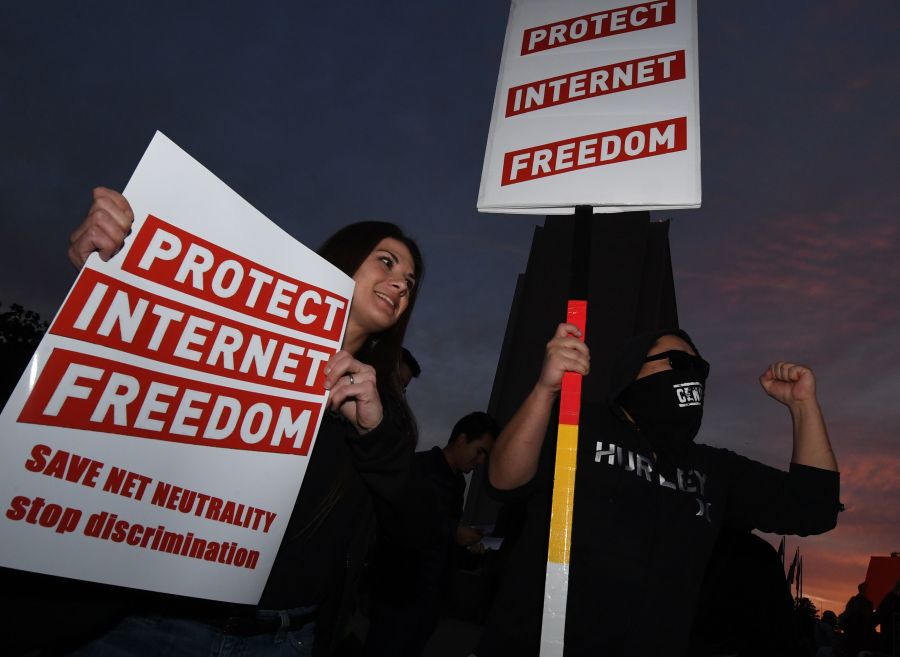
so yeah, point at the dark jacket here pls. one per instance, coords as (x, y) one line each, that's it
(642, 532)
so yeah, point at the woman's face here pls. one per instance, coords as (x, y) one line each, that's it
(384, 282)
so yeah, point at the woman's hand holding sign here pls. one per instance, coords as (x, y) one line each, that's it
(353, 391)
(104, 229)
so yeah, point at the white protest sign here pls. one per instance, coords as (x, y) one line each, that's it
(597, 104)
(160, 435)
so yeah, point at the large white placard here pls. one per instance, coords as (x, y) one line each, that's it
(597, 104)
(160, 435)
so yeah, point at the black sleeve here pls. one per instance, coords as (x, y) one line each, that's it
(441, 503)
(449, 501)
(384, 460)
(381, 458)
(803, 501)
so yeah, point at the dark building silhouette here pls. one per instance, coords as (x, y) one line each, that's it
(623, 265)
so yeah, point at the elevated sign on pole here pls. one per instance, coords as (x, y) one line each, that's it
(597, 104)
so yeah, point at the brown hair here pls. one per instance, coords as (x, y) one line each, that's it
(347, 249)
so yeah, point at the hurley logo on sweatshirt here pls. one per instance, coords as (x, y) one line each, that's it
(688, 481)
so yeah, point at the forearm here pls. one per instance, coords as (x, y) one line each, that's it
(514, 460)
(811, 444)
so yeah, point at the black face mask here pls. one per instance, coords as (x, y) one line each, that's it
(667, 408)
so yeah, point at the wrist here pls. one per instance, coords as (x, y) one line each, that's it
(803, 407)
(544, 394)
(363, 429)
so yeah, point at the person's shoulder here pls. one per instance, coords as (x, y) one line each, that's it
(426, 455)
(712, 453)
(721, 457)
(430, 462)
(598, 419)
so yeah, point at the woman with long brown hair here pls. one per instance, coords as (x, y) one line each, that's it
(359, 468)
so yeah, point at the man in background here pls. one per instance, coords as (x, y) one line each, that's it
(408, 585)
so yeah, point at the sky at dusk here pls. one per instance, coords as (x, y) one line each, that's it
(320, 114)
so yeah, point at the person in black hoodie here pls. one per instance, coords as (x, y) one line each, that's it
(649, 501)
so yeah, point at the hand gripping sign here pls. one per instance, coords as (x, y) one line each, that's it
(160, 435)
(596, 104)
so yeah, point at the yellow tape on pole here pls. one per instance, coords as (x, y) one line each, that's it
(563, 494)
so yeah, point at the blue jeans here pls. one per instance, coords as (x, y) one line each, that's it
(158, 636)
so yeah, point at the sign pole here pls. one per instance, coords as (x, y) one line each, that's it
(556, 583)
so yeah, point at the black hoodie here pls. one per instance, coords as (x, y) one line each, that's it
(642, 532)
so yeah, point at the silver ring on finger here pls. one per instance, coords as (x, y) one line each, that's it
(351, 378)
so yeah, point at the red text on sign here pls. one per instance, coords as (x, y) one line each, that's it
(596, 26)
(126, 483)
(181, 261)
(37, 512)
(595, 82)
(63, 465)
(631, 143)
(79, 391)
(105, 311)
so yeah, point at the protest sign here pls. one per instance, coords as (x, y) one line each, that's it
(160, 434)
(597, 104)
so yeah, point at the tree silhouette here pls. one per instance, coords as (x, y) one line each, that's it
(21, 331)
(805, 615)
